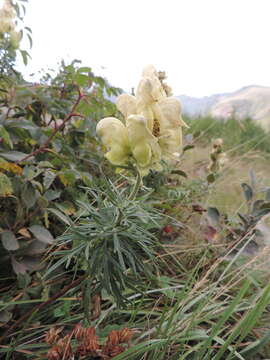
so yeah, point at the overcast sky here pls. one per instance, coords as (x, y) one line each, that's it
(205, 46)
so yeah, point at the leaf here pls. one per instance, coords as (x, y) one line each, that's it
(211, 178)
(262, 212)
(5, 186)
(25, 56)
(82, 80)
(251, 350)
(5, 136)
(19, 268)
(45, 164)
(23, 280)
(67, 207)
(28, 29)
(253, 179)
(180, 172)
(10, 167)
(67, 177)
(36, 248)
(30, 41)
(165, 283)
(22, 124)
(85, 108)
(257, 205)
(41, 234)
(29, 195)
(188, 147)
(13, 155)
(247, 191)
(32, 263)
(48, 178)
(244, 218)
(267, 195)
(9, 240)
(25, 233)
(84, 69)
(211, 234)
(52, 194)
(5, 316)
(65, 219)
(213, 215)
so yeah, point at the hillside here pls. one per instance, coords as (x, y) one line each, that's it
(251, 101)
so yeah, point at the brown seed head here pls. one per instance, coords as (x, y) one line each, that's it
(91, 340)
(64, 347)
(52, 335)
(79, 332)
(125, 335)
(113, 338)
(53, 354)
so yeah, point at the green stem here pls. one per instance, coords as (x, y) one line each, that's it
(136, 187)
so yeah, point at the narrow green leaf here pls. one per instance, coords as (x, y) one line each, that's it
(13, 155)
(180, 172)
(5, 137)
(65, 219)
(248, 192)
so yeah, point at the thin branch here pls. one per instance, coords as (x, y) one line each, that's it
(71, 114)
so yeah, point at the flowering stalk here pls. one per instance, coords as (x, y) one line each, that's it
(152, 129)
(136, 187)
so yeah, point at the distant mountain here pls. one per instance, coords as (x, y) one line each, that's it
(250, 101)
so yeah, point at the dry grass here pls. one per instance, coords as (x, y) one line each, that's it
(226, 193)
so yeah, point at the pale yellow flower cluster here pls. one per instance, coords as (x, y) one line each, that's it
(153, 126)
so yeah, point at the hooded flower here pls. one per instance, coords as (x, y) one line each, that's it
(153, 125)
(144, 146)
(114, 136)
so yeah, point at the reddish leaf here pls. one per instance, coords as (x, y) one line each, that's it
(211, 234)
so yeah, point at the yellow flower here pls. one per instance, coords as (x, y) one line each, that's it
(153, 128)
(144, 146)
(114, 136)
(126, 104)
(171, 123)
(148, 93)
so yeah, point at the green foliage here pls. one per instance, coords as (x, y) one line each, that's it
(48, 149)
(111, 240)
(239, 136)
(76, 247)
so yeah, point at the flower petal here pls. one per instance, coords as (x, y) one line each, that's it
(126, 104)
(114, 136)
(168, 112)
(148, 92)
(143, 144)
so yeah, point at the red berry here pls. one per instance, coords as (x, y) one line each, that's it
(167, 229)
